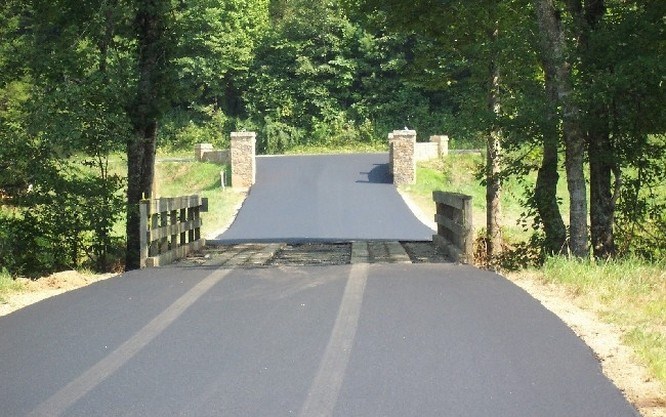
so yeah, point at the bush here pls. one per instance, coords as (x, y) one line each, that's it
(64, 223)
(182, 129)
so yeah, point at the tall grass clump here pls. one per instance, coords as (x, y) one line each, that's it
(8, 285)
(629, 292)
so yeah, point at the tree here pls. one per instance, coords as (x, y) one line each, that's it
(557, 69)
(62, 113)
(149, 103)
(467, 37)
(214, 48)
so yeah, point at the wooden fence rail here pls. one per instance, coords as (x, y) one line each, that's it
(455, 234)
(170, 228)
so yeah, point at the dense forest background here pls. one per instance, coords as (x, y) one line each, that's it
(547, 88)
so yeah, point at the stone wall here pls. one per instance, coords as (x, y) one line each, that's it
(204, 152)
(436, 148)
(241, 157)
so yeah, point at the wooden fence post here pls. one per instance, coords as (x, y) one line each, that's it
(455, 233)
(144, 210)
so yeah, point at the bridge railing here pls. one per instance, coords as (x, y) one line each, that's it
(455, 234)
(170, 228)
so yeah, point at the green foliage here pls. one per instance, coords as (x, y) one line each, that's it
(321, 78)
(182, 129)
(73, 103)
(65, 222)
(641, 207)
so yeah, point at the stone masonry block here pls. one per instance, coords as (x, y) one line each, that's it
(243, 164)
(403, 160)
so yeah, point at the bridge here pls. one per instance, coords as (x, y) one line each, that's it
(325, 298)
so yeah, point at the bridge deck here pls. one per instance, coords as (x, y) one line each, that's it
(253, 255)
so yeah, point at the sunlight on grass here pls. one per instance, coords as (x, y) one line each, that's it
(454, 173)
(8, 285)
(187, 178)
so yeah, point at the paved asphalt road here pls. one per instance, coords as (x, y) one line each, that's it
(353, 340)
(324, 198)
(366, 340)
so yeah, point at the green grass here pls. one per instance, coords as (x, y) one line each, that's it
(458, 173)
(628, 292)
(8, 285)
(175, 179)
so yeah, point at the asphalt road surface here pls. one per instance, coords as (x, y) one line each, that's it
(361, 339)
(367, 340)
(324, 198)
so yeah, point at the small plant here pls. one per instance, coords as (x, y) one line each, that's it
(8, 285)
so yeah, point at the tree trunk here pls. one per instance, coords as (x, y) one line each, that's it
(141, 147)
(553, 44)
(545, 191)
(493, 165)
(600, 150)
(602, 201)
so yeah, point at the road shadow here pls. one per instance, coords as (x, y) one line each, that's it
(380, 174)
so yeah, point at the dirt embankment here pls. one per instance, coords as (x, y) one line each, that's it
(48, 287)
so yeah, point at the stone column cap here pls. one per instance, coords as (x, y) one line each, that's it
(241, 135)
(404, 132)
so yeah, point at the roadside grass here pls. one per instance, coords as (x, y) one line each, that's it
(8, 286)
(176, 174)
(630, 293)
(458, 173)
(175, 179)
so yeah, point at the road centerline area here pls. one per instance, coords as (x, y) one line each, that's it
(58, 403)
(325, 388)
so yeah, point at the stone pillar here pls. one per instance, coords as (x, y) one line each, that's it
(200, 149)
(442, 144)
(243, 166)
(404, 163)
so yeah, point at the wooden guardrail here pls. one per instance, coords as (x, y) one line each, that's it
(170, 228)
(455, 234)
